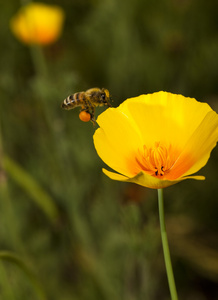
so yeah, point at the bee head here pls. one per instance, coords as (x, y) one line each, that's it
(105, 96)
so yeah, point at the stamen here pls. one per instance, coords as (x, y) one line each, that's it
(157, 160)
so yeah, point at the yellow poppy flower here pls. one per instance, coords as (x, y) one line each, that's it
(156, 140)
(38, 23)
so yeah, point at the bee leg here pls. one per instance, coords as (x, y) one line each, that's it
(109, 102)
(92, 113)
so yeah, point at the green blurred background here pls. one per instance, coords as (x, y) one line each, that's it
(83, 236)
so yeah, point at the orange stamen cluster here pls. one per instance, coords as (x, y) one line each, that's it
(156, 161)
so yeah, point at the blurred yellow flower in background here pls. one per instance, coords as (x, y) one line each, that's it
(156, 140)
(38, 23)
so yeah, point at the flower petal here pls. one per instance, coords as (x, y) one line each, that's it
(117, 140)
(165, 117)
(148, 181)
(38, 23)
(198, 147)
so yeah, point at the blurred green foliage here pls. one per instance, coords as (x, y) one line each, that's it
(83, 236)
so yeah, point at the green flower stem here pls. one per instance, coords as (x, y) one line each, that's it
(166, 250)
(39, 61)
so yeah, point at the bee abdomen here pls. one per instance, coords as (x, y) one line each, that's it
(73, 101)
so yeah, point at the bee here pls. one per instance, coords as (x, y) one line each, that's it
(88, 101)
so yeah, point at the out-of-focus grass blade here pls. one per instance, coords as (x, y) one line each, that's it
(15, 259)
(30, 185)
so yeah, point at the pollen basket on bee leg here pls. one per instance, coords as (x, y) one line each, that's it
(84, 116)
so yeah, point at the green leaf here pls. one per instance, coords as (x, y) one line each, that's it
(15, 259)
(31, 186)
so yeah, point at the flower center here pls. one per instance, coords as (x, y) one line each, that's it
(157, 160)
